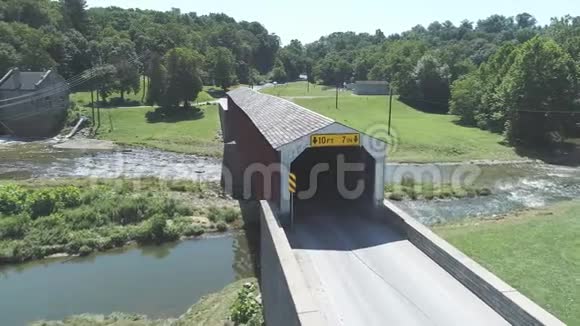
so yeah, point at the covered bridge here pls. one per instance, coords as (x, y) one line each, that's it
(267, 138)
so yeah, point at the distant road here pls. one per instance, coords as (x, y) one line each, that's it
(258, 88)
(364, 273)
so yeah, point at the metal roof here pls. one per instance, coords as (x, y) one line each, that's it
(28, 80)
(279, 120)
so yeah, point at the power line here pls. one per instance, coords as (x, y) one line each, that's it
(73, 82)
(47, 92)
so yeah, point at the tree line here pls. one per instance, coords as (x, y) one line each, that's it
(504, 74)
(499, 73)
(113, 48)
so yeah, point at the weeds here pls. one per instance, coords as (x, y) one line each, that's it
(408, 189)
(84, 217)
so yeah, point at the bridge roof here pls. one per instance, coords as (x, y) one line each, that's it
(279, 120)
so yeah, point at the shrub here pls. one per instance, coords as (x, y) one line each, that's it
(118, 237)
(85, 250)
(396, 196)
(91, 195)
(67, 196)
(222, 227)
(26, 251)
(84, 217)
(12, 199)
(85, 238)
(47, 231)
(125, 210)
(192, 230)
(223, 214)
(42, 203)
(163, 206)
(184, 210)
(13, 227)
(245, 307)
(153, 230)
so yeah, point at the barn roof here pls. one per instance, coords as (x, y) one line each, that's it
(279, 120)
(22, 80)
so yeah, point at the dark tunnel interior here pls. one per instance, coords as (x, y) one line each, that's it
(320, 181)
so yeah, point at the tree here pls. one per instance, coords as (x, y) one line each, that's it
(293, 57)
(31, 45)
(495, 24)
(223, 67)
(566, 32)
(34, 13)
(542, 78)
(120, 53)
(158, 83)
(525, 20)
(432, 79)
(75, 15)
(183, 80)
(333, 70)
(8, 58)
(279, 72)
(514, 91)
(342, 71)
(76, 56)
(466, 93)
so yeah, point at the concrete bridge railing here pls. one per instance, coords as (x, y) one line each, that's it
(285, 294)
(513, 306)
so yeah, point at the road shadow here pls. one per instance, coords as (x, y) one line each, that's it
(172, 115)
(339, 226)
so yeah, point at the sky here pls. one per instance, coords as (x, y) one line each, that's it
(308, 20)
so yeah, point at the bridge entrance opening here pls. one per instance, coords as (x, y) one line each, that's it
(333, 177)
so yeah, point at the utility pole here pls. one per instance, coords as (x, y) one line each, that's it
(336, 95)
(390, 107)
(98, 112)
(93, 105)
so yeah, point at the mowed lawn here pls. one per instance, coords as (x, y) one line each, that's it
(195, 136)
(536, 252)
(416, 136)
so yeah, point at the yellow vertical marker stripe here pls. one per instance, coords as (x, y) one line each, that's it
(292, 183)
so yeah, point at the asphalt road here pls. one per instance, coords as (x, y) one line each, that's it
(362, 272)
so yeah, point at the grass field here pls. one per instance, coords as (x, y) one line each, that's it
(416, 136)
(194, 135)
(536, 252)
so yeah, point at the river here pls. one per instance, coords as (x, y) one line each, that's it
(41, 160)
(515, 185)
(158, 281)
(163, 281)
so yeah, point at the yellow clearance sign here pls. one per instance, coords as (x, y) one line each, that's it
(334, 140)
